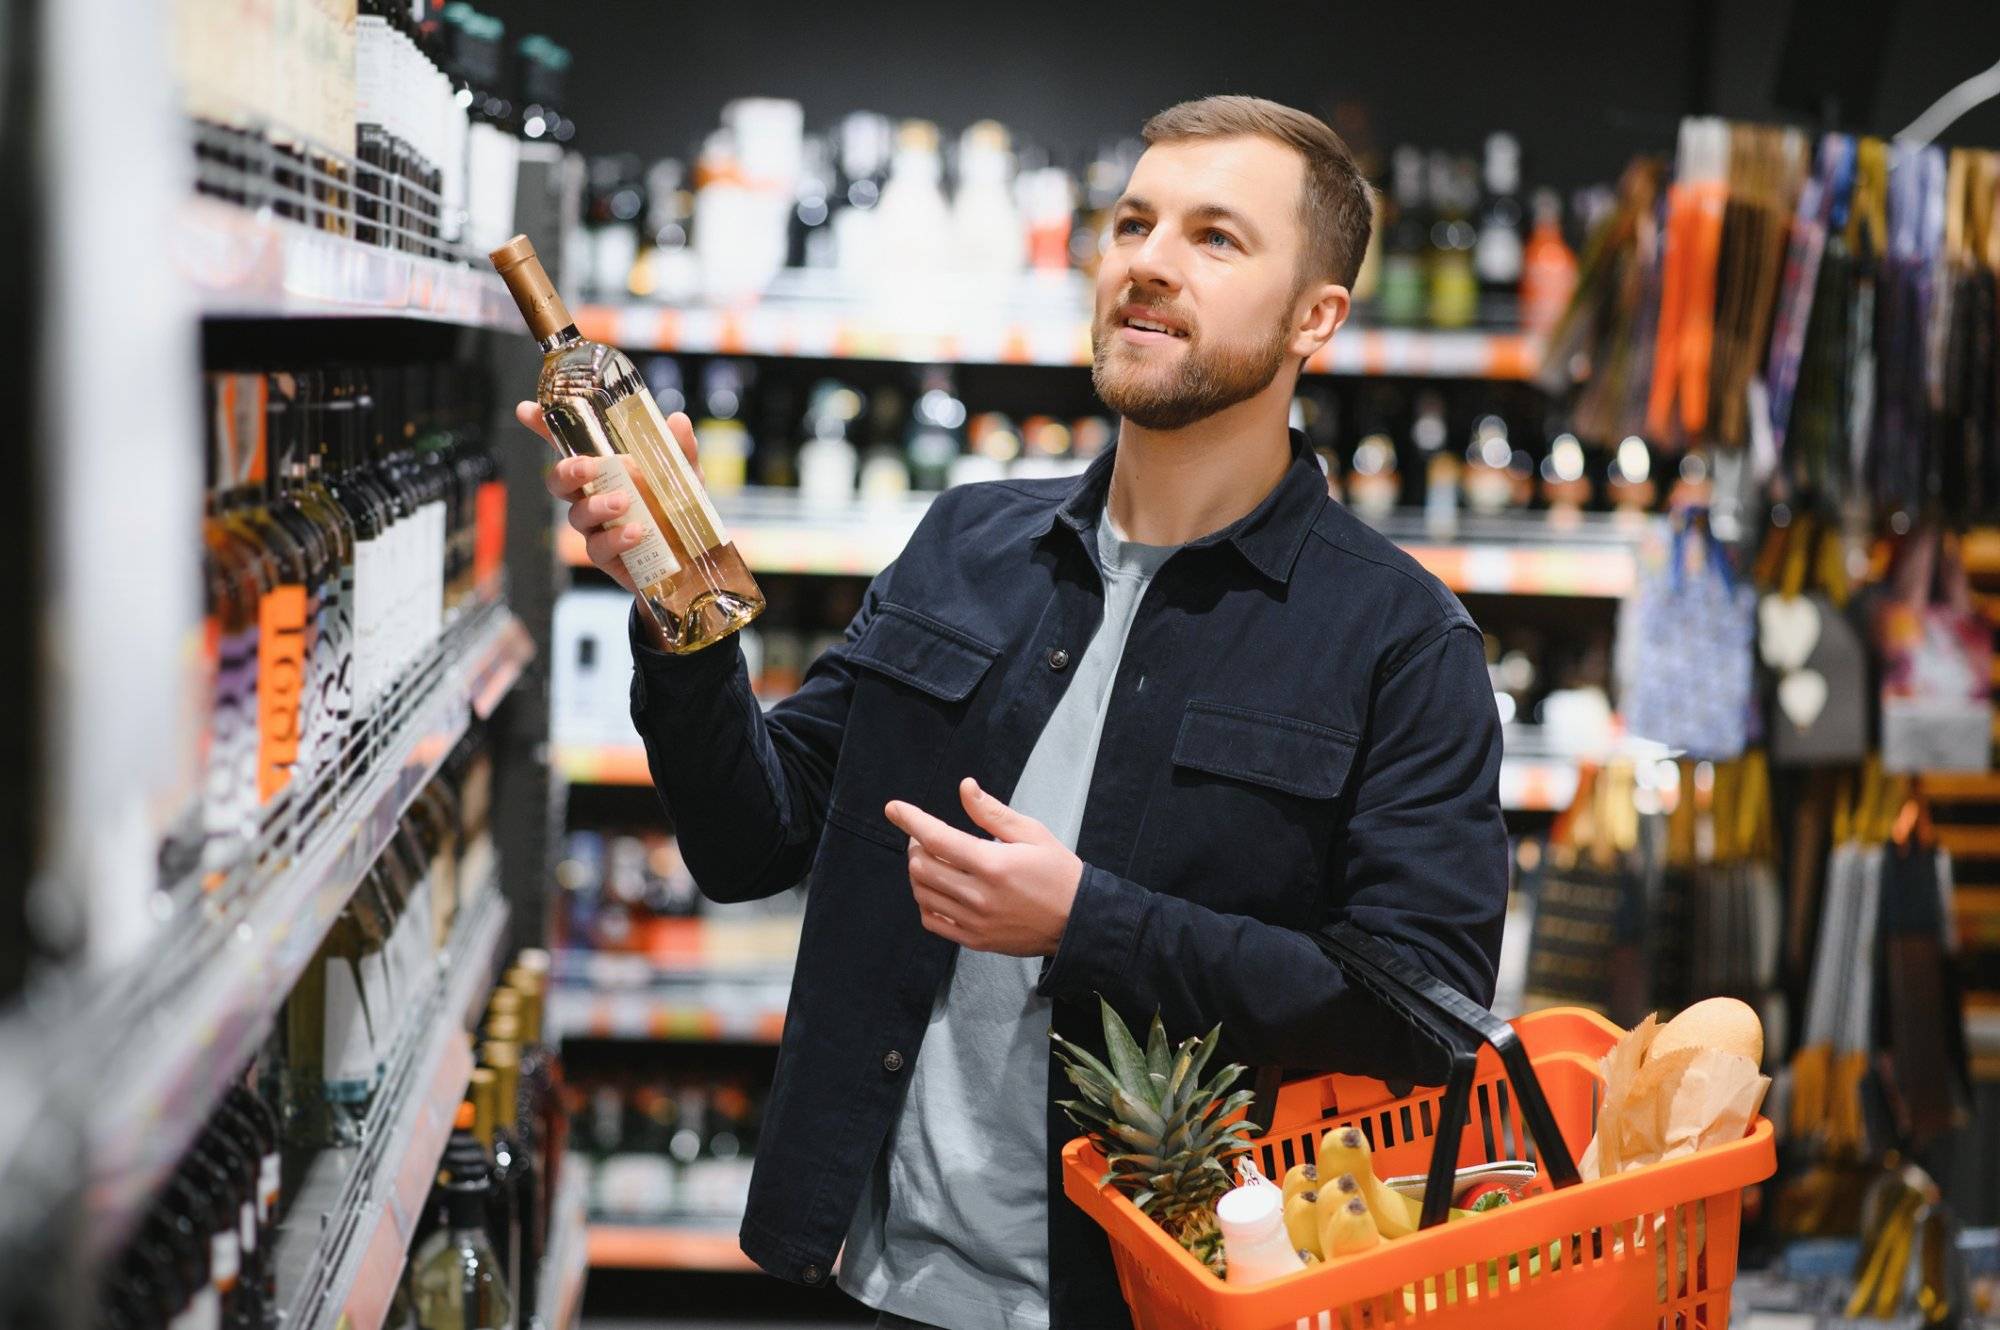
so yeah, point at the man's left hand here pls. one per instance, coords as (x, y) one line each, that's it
(1010, 895)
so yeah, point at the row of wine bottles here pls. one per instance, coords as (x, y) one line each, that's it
(205, 1255)
(380, 960)
(353, 517)
(657, 1149)
(204, 1258)
(282, 93)
(479, 1267)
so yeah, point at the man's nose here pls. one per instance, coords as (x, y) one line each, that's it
(1155, 263)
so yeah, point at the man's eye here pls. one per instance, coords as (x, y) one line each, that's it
(1212, 236)
(1128, 226)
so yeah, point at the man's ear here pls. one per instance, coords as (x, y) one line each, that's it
(1320, 320)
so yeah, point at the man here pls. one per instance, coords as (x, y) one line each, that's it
(1128, 735)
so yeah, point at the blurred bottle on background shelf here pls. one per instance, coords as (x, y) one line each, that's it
(1454, 287)
(1405, 290)
(937, 418)
(1497, 254)
(1549, 272)
(828, 462)
(725, 438)
(990, 233)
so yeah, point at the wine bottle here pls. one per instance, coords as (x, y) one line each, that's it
(693, 585)
(456, 1280)
(513, 1155)
(1405, 284)
(503, 1222)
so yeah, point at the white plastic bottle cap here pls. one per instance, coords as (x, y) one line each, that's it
(1250, 1212)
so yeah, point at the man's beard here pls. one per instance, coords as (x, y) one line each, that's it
(1201, 383)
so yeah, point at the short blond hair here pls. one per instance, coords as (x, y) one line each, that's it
(1335, 205)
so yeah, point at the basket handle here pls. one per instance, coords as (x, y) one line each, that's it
(1458, 1026)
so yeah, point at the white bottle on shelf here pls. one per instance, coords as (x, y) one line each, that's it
(990, 234)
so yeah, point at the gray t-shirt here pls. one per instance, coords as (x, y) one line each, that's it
(952, 1228)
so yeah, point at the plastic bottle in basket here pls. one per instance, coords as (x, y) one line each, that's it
(1253, 1234)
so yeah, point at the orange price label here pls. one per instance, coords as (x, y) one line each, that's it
(281, 674)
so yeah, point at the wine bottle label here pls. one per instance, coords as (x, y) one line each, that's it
(281, 664)
(349, 1068)
(371, 73)
(332, 683)
(230, 795)
(687, 503)
(246, 1224)
(225, 1260)
(269, 1178)
(367, 609)
(203, 1312)
(415, 927)
(650, 562)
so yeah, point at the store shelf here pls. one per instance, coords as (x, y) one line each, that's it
(566, 1262)
(696, 947)
(347, 1233)
(665, 1247)
(1527, 554)
(245, 263)
(714, 1009)
(177, 1028)
(601, 764)
(1043, 322)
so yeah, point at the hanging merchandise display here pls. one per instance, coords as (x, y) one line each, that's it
(1937, 663)
(1590, 902)
(1687, 655)
(1830, 314)
(1816, 659)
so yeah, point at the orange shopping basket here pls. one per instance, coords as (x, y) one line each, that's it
(1653, 1247)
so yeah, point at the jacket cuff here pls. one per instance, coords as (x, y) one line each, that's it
(1097, 945)
(661, 672)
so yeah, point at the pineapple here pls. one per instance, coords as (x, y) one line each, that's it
(1164, 1132)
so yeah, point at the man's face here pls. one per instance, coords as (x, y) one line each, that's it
(1205, 244)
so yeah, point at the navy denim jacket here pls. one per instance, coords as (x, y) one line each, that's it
(1301, 730)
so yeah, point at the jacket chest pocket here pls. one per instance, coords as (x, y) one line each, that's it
(1251, 810)
(914, 682)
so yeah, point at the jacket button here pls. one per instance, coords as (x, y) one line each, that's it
(1058, 659)
(812, 1274)
(892, 1061)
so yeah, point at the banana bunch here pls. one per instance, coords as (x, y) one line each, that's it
(1338, 1206)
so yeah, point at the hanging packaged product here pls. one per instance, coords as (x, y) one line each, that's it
(1937, 663)
(1817, 659)
(1693, 624)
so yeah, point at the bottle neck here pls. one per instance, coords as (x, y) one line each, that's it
(563, 336)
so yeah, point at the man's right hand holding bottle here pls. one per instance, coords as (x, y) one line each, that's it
(589, 513)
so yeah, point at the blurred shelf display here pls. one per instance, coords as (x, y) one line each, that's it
(183, 1028)
(566, 1262)
(252, 265)
(705, 1009)
(346, 1239)
(687, 946)
(1532, 554)
(666, 1247)
(982, 330)
(601, 764)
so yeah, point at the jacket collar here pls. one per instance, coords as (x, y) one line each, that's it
(1268, 537)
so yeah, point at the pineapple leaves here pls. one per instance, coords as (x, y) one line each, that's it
(1077, 1056)
(1127, 1061)
(1159, 1058)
